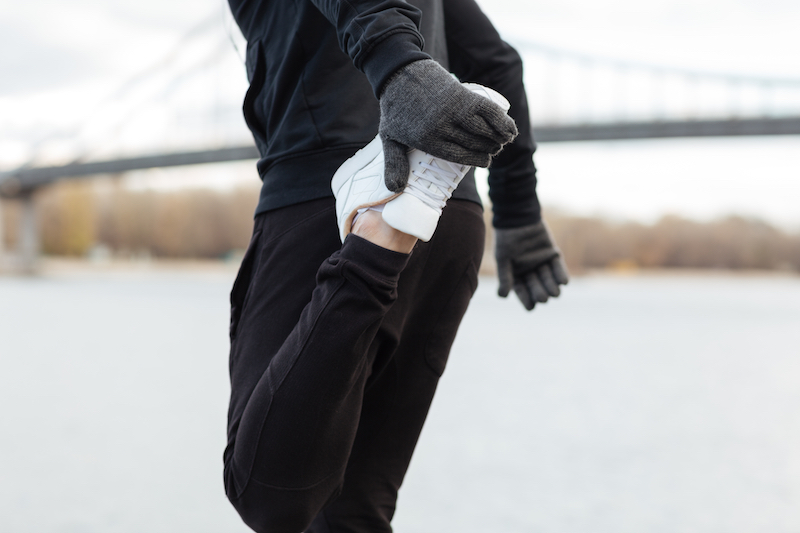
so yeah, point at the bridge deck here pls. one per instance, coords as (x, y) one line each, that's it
(23, 181)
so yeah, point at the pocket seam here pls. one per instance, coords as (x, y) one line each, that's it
(465, 277)
(245, 272)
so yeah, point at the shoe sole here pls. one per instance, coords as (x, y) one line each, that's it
(491, 94)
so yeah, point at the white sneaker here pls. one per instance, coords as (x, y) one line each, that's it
(431, 183)
(358, 184)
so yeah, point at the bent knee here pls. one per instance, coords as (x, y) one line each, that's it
(268, 509)
(272, 518)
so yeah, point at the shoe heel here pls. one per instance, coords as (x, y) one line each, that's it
(408, 214)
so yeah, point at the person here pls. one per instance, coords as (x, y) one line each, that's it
(337, 347)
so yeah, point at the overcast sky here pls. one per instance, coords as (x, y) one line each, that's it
(69, 40)
(64, 63)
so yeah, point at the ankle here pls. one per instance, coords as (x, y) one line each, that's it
(371, 226)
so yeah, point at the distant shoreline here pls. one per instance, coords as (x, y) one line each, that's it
(54, 265)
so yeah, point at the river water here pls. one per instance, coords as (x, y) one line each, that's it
(632, 404)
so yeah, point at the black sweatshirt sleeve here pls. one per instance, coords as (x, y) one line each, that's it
(478, 54)
(380, 36)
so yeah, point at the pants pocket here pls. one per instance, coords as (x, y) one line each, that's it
(241, 286)
(441, 339)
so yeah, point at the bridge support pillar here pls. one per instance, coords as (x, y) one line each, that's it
(28, 240)
(3, 256)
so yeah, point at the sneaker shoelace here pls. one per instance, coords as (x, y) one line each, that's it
(434, 185)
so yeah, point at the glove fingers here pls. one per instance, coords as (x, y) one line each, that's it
(474, 152)
(560, 270)
(474, 141)
(396, 167)
(548, 281)
(479, 142)
(498, 125)
(536, 288)
(524, 296)
(483, 131)
(506, 277)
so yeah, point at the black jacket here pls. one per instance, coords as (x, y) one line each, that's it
(316, 67)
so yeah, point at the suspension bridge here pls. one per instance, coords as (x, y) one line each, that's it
(573, 97)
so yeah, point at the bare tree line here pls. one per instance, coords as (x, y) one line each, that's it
(76, 218)
(732, 243)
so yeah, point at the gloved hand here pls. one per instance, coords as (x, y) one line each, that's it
(528, 260)
(424, 107)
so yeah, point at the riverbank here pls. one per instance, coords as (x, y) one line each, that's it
(54, 266)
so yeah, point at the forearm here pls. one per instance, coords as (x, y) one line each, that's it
(478, 54)
(380, 36)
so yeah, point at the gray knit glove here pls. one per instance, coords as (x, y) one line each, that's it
(424, 107)
(528, 260)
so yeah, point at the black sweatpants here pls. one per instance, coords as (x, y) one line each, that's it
(336, 351)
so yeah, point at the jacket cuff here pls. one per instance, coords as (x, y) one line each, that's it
(529, 214)
(390, 55)
(514, 203)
